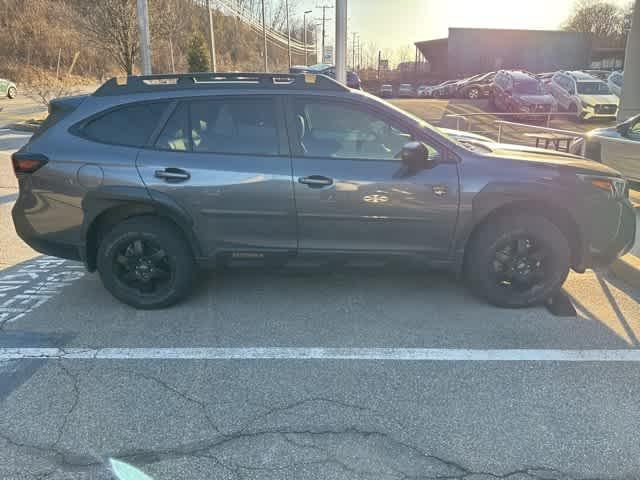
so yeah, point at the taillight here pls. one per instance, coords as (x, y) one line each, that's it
(24, 162)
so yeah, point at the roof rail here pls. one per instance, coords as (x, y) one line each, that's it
(211, 80)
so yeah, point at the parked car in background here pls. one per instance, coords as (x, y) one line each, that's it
(615, 81)
(445, 89)
(521, 93)
(545, 78)
(405, 90)
(424, 91)
(584, 95)
(617, 147)
(599, 74)
(386, 91)
(478, 86)
(153, 180)
(353, 80)
(8, 88)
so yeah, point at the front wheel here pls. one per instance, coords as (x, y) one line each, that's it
(12, 92)
(518, 261)
(145, 262)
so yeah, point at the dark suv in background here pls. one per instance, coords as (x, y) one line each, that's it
(521, 93)
(146, 179)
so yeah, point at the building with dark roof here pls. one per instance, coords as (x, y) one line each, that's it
(468, 51)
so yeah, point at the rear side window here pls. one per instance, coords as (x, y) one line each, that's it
(130, 126)
(237, 126)
(224, 126)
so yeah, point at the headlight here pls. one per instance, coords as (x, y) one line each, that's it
(585, 104)
(525, 108)
(615, 187)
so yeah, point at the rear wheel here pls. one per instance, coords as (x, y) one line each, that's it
(146, 263)
(518, 261)
(473, 93)
(12, 92)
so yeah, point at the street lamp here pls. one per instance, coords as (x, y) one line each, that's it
(304, 27)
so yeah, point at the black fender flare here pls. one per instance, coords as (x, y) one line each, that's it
(499, 197)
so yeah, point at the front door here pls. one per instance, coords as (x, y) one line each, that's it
(226, 161)
(352, 192)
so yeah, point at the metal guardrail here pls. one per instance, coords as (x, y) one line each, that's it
(501, 123)
(464, 116)
(571, 133)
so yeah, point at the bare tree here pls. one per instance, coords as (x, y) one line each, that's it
(112, 26)
(601, 18)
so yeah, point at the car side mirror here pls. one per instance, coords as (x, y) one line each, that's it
(415, 156)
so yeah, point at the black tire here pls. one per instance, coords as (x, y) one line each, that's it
(502, 281)
(157, 285)
(12, 93)
(492, 101)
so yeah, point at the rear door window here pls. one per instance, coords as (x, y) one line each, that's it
(130, 126)
(235, 126)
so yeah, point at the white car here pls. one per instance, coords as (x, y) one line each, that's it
(615, 83)
(424, 91)
(583, 94)
(405, 90)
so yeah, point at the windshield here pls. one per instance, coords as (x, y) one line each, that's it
(593, 88)
(528, 87)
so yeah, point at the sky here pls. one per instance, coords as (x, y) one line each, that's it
(395, 23)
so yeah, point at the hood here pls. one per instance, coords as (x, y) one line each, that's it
(600, 99)
(541, 99)
(541, 156)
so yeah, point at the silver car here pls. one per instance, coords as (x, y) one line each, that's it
(617, 147)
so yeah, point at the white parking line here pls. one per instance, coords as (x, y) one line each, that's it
(284, 353)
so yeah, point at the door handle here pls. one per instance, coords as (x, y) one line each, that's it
(315, 181)
(173, 174)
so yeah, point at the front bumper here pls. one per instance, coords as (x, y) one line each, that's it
(620, 244)
(590, 112)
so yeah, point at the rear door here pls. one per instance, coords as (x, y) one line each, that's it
(225, 159)
(352, 191)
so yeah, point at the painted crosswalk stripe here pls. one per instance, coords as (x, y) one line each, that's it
(318, 353)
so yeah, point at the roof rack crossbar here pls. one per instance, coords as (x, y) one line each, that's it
(213, 80)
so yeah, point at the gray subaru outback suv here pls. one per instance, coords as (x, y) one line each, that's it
(149, 178)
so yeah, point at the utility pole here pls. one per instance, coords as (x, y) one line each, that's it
(173, 63)
(630, 97)
(341, 41)
(324, 19)
(145, 42)
(213, 38)
(379, 58)
(264, 38)
(315, 35)
(353, 51)
(286, 6)
(304, 23)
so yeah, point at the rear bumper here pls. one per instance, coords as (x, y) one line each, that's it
(33, 226)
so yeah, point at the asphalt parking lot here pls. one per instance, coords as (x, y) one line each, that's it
(365, 374)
